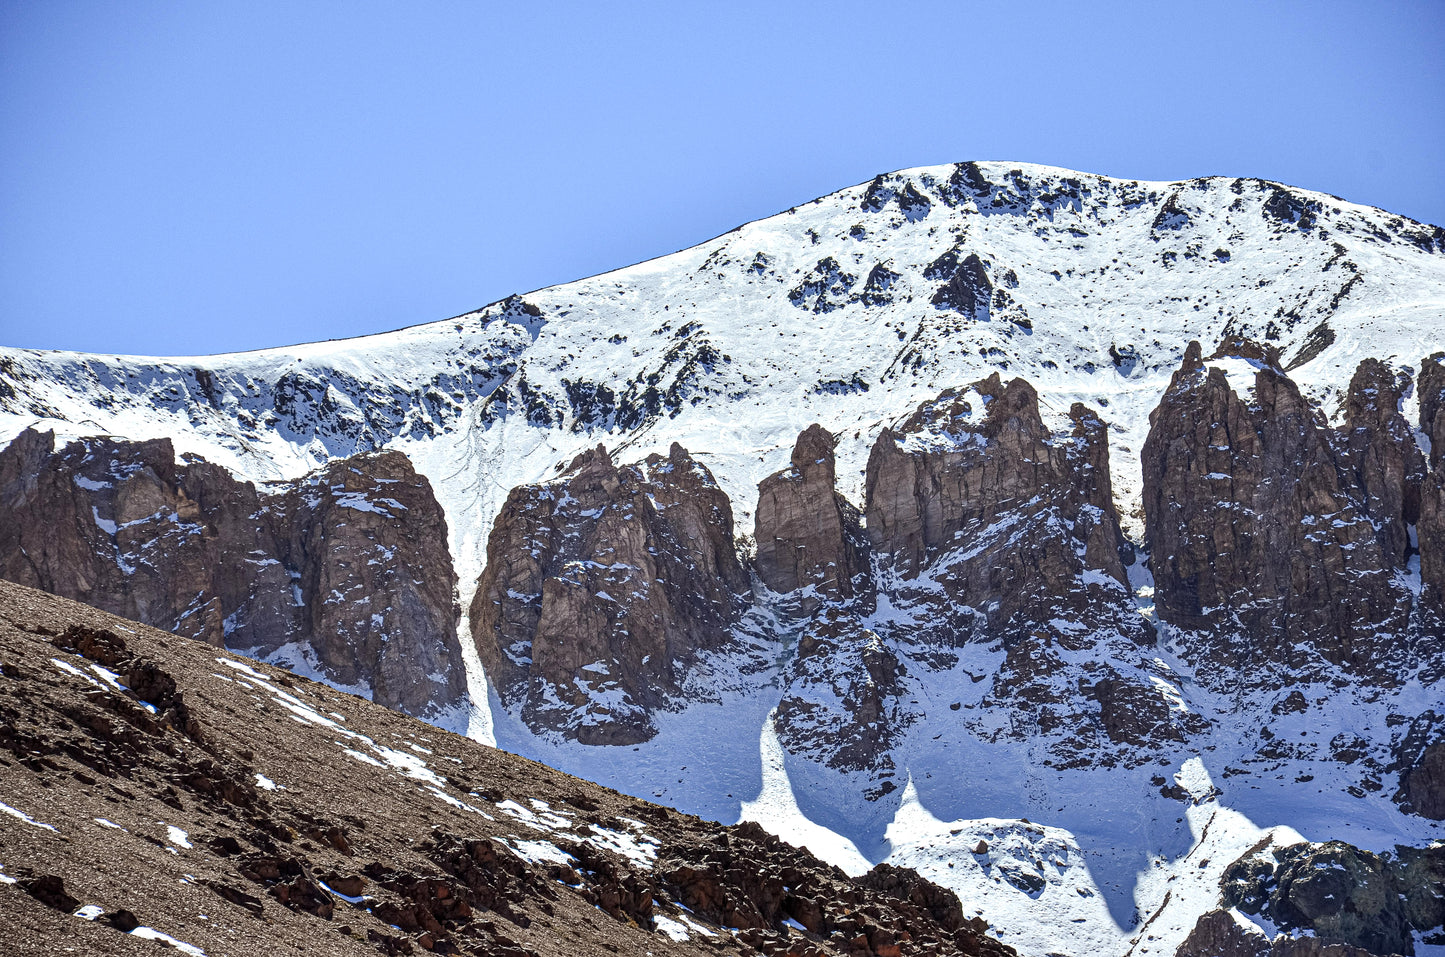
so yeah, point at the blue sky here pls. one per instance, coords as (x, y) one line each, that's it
(182, 178)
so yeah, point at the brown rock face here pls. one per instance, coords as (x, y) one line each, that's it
(808, 535)
(1430, 533)
(123, 527)
(1258, 537)
(601, 587)
(347, 572)
(378, 593)
(1017, 526)
(1431, 536)
(1432, 406)
(1218, 934)
(1381, 458)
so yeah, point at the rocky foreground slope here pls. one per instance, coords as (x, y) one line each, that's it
(155, 789)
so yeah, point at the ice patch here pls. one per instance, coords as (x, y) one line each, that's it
(540, 852)
(21, 815)
(150, 933)
(670, 927)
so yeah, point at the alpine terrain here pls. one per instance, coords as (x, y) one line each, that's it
(1071, 543)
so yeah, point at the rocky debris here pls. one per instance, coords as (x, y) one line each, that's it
(1258, 540)
(1219, 933)
(845, 687)
(905, 915)
(349, 846)
(346, 571)
(808, 536)
(1340, 894)
(601, 587)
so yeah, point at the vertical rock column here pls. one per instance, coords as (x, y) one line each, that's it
(1259, 539)
(809, 536)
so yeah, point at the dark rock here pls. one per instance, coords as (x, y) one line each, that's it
(809, 536)
(1422, 785)
(609, 580)
(968, 291)
(50, 891)
(1381, 457)
(1431, 388)
(1257, 541)
(1341, 894)
(186, 547)
(1218, 934)
(843, 702)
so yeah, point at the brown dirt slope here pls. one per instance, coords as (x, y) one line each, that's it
(157, 785)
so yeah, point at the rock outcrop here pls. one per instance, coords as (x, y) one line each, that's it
(988, 533)
(1430, 533)
(1340, 894)
(1381, 459)
(124, 527)
(1018, 527)
(1219, 933)
(1431, 389)
(601, 587)
(346, 573)
(1260, 540)
(845, 690)
(808, 536)
(368, 543)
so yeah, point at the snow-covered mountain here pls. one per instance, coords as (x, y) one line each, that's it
(1109, 759)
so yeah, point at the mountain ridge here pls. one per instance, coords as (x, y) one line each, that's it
(853, 312)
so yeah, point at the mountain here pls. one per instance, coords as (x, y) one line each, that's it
(1065, 538)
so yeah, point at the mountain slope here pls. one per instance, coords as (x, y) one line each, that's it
(157, 790)
(859, 311)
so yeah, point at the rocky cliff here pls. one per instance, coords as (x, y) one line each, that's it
(810, 539)
(345, 573)
(1272, 539)
(600, 590)
(1034, 665)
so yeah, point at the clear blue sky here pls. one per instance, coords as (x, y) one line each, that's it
(181, 178)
